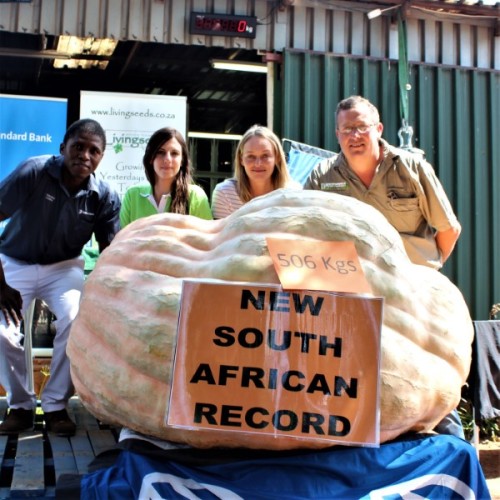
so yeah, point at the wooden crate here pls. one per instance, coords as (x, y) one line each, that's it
(33, 461)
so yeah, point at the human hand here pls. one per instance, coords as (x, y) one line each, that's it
(11, 304)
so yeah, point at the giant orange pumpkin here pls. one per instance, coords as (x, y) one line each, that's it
(122, 341)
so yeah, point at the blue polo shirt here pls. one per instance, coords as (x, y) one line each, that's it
(48, 224)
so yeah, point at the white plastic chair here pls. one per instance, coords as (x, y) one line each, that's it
(29, 352)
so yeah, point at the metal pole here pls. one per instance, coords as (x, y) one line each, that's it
(28, 343)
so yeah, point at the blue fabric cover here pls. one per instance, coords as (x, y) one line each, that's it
(433, 467)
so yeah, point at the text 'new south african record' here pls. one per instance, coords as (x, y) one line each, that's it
(253, 358)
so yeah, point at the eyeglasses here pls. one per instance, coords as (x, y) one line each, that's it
(360, 129)
(250, 159)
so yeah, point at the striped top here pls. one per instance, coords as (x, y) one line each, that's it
(225, 198)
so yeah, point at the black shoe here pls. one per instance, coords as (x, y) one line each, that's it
(59, 423)
(17, 420)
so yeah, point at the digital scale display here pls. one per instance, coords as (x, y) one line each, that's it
(223, 25)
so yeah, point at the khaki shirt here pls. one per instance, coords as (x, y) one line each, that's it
(405, 189)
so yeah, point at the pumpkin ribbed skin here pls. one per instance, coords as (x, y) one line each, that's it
(121, 343)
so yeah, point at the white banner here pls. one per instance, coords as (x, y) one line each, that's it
(129, 120)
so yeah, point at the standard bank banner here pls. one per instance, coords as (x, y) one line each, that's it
(29, 126)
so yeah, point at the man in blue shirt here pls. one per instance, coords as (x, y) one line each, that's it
(55, 204)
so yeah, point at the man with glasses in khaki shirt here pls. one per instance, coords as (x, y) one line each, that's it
(400, 184)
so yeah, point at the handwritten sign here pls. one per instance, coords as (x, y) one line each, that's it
(318, 265)
(253, 358)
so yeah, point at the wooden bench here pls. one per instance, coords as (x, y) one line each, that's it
(33, 461)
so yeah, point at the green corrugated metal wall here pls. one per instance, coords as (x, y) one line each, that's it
(455, 114)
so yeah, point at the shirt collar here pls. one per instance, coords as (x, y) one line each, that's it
(146, 191)
(55, 166)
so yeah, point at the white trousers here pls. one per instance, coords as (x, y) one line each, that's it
(60, 286)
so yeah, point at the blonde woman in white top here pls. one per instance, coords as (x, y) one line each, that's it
(259, 168)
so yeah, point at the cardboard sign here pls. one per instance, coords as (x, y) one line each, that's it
(254, 358)
(318, 265)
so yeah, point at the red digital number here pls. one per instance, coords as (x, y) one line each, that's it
(206, 24)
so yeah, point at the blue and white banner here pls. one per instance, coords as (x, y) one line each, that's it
(29, 126)
(431, 467)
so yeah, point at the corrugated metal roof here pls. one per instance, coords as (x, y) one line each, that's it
(460, 7)
(157, 54)
(458, 4)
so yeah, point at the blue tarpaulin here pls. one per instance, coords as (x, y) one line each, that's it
(430, 466)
